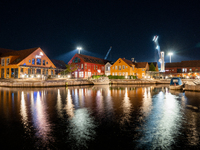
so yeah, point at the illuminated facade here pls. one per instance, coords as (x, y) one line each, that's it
(25, 63)
(186, 69)
(124, 67)
(87, 66)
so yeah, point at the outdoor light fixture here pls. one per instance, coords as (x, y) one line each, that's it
(170, 54)
(79, 49)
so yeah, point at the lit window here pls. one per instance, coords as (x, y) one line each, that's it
(116, 67)
(81, 66)
(172, 69)
(119, 67)
(33, 61)
(85, 66)
(38, 61)
(190, 69)
(2, 62)
(8, 61)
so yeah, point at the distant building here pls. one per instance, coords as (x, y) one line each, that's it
(87, 66)
(107, 68)
(25, 63)
(124, 67)
(187, 69)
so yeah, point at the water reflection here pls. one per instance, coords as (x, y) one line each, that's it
(126, 105)
(40, 121)
(69, 105)
(81, 129)
(145, 117)
(59, 104)
(163, 123)
(23, 112)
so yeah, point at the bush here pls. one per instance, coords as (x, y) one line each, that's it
(116, 77)
(97, 76)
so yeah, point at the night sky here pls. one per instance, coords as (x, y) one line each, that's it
(58, 27)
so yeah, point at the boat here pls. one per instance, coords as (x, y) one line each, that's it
(176, 84)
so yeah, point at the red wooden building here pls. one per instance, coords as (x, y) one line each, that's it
(187, 69)
(87, 66)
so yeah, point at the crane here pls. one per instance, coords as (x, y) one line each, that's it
(108, 53)
(160, 53)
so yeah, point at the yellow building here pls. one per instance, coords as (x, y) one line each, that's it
(25, 63)
(124, 67)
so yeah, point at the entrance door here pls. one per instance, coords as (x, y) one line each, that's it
(2, 73)
(16, 73)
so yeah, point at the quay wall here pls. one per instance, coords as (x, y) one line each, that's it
(189, 87)
(54, 83)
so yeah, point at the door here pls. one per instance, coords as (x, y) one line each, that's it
(2, 73)
(16, 72)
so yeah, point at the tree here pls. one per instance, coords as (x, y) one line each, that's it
(70, 68)
(152, 67)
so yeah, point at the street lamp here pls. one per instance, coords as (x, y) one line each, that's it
(170, 54)
(79, 49)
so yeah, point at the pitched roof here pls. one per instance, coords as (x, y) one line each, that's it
(189, 63)
(4, 50)
(21, 53)
(59, 64)
(91, 59)
(141, 64)
(129, 62)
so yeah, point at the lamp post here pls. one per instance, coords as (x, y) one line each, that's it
(170, 54)
(79, 49)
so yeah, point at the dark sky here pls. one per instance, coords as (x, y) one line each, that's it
(58, 27)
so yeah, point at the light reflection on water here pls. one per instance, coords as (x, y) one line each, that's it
(149, 117)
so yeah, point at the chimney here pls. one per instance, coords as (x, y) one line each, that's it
(132, 59)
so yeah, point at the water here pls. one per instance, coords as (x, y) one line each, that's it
(99, 117)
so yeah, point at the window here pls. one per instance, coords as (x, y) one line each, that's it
(126, 67)
(172, 69)
(43, 62)
(196, 69)
(178, 70)
(29, 61)
(190, 69)
(116, 73)
(47, 62)
(38, 71)
(81, 66)
(113, 67)
(2, 62)
(81, 74)
(102, 68)
(8, 61)
(120, 68)
(133, 68)
(96, 67)
(38, 61)
(85, 66)
(12, 72)
(116, 67)
(142, 69)
(123, 67)
(33, 71)
(113, 73)
(120, 73)
(22, 69)
(76, 60)
(7, 72)
(33, 61)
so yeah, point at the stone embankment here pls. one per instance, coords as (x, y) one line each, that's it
(138, 81)
(42, 83)
(193, 85)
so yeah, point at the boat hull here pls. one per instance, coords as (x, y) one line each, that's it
(177, 87)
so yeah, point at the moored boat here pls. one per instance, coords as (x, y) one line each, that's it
(176, 84)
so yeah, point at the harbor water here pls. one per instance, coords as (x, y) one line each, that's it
(99, 117)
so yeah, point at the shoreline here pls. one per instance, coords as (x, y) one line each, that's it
(190, 84)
